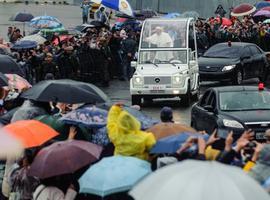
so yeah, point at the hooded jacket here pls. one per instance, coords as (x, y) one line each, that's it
(124, 132)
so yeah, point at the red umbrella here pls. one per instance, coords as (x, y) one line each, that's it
(64, 158)
(243, 9)
(225, 21)
(62, 38)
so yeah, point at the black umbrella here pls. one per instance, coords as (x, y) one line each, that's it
(91, 88)
(65, 91)
(98, 24)
(9, 66)
(3, 80)
(22, 17)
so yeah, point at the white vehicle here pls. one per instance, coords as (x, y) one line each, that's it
(167, 64)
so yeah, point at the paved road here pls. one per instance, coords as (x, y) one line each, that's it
(119, 91)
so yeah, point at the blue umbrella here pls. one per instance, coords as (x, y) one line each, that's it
(146, 121)
(24, 44)
(113, 175)
(172, 143)
(89, 116)
(118, 5)
(262, 4)
(47, 22)
(171, 15)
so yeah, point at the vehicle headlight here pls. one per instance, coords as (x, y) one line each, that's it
(232, 123)
(137, 81)
(228, 68)
(176, 79)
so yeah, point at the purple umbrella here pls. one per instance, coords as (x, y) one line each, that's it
(64, 158)
(262, 13)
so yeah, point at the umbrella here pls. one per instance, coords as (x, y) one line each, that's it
(145, 120)
(97, 23)
(10, 146)
(162, 130)
(45, 21)
(9, 66)
(100, 137)
(36, 38)
(17, 82)
(92, 88)
(31, 133)
(46, 17)
(113, 174)
(22, 17)
(262, 13)
(64, 91)
(192, 14)
(118, 5)
(262, 4)
(89, 116)
(267, 21)
(172, 143)
(171, 15)
(56, 124)
(64, 158)
(3, 80)
(225, 21)
(243, 9)
(24, 44)
(199, 180)
(124, 16)
(62, 38)
(266, 8)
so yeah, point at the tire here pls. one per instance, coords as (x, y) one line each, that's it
(186, 99)
(147, 100)
(196, 96)
(136, 100)
(238, 79)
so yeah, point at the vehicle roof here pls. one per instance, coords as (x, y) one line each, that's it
(174, 19)
(238, 44)
(236, 88)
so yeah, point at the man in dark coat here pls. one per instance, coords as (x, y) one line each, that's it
(68, 64)
(48, 66)
(128, 48)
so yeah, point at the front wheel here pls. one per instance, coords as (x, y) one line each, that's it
(136, 100)
(186, 99)
(238, 79)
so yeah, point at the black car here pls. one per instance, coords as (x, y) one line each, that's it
(234, 62)
(235, 108)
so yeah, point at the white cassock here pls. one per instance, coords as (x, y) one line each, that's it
(162, 40)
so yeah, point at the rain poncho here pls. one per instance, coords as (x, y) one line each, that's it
(124, 132)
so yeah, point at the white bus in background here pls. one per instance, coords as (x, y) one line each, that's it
(167, 64)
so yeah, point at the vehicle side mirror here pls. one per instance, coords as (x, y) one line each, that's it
(133, 64)
(209, 108)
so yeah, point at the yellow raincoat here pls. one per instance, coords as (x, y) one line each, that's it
(124, 132)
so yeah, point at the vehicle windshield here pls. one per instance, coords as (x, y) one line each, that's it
(163, 57)
(164, 34)
(222, 51)
(245, 100)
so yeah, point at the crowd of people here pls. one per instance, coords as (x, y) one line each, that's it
(104, 54)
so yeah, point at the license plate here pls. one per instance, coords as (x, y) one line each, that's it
(260, 136)
(157, 91)
(157, 87)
